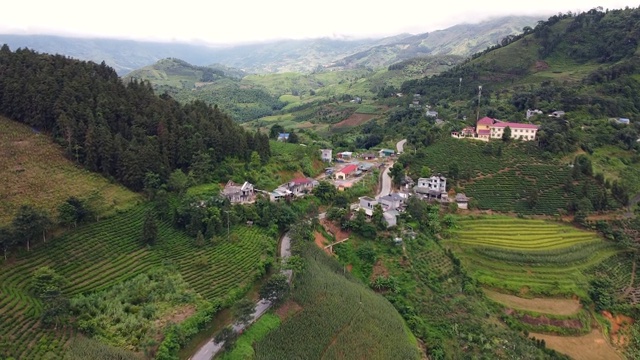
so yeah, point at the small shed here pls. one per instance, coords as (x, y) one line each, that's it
(386, 152)
(463, 201)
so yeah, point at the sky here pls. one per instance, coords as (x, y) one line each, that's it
(233, 21)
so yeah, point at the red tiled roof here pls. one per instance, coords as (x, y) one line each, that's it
(484, 132)
(300, 181)
(515, 125)
(485, 121)
(349, 169)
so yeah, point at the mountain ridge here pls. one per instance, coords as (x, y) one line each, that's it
(276, 56)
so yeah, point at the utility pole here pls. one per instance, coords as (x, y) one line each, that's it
(459, 89)
(479, 97)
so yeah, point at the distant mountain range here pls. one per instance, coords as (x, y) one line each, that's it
(281, 56)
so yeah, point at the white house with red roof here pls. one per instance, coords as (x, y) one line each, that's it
(346, 171)
(488, 128)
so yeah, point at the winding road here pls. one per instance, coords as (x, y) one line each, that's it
(211, 348)
(385, 187)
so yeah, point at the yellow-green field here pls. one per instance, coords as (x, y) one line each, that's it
(529, 257)
(34, 171)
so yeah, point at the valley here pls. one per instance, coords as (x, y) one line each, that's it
(460, 194)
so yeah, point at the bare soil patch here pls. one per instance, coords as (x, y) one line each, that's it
(540, 305)
(379, 270)
(543, 320)
(288, 309)
(354, 120)
(349, 267)
(592, 346)
(320, 240)
(334, 230)
(541, 65)
(619, 324)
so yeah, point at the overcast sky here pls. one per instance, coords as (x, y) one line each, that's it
(255, 20)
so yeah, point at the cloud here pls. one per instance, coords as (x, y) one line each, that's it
(235, 21)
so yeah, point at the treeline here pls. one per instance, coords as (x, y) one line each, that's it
(122, 131)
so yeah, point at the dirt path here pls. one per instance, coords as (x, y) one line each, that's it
(540, 305)
(592, 346)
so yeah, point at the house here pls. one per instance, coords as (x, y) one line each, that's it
(283, 137)
(326, 154)
(531, 113)
(408, 182)
(369, 156)
(434, 187)
(301, 186)
(367, 204)
(238, 194)
(345, 155)
(439, 122)
(363, 166)
(393, 201)
(468, 131)
(431, 113)
(391, 218)
(488, 128)
(386, 152)
(346, 171)
(557, 114)
(280, 193)
(463, 201)
(623, 121)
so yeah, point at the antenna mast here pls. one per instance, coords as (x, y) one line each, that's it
(479, 97)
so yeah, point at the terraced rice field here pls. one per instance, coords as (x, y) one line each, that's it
(530, 257)
(99, 255)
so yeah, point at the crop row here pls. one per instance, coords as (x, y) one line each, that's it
(97, 256)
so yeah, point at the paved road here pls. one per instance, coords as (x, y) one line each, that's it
(400, 146)
(385, 188)
(211, 348)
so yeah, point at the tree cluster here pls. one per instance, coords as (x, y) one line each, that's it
(122, 131)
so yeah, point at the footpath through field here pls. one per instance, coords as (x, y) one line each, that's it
(211, 348)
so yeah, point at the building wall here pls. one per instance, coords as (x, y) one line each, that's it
(516, 133)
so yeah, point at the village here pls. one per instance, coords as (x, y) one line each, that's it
(347, 169)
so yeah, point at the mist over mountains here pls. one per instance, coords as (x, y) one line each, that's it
(284, 55)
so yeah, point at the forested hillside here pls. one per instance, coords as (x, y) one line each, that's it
(586, 65)
(122, 131)
(584, 62)
(214, 85)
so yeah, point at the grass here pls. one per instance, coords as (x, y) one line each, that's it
(529, 257)
(243, 347)
(340, 318)
(97, 256)
(34, 171)
(505, 182)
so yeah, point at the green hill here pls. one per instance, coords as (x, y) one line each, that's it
(34, 171)
(100, 255)
(217, 85)
(339, 318)
(461, 40)
(586, 64)
(542, 68)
